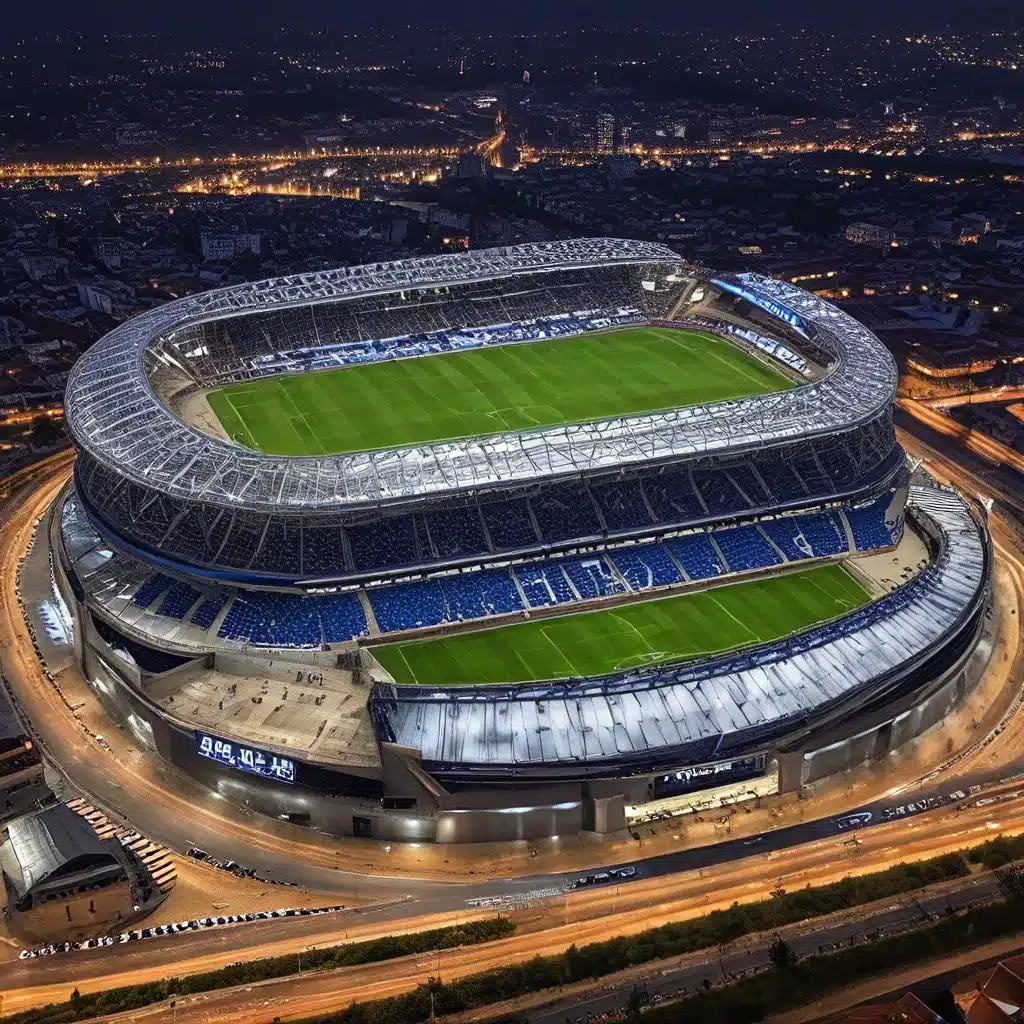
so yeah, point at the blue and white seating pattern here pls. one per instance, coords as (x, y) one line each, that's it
(745, 547)
(867, 524)
(646, 566)
(808, 536)
(299, 621)
(591, 577)
(544, 584)
(697, 555)
(349, 353)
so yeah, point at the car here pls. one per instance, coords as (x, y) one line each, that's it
(26, 954)
(196, 853)
(147, 933)
(222, 920)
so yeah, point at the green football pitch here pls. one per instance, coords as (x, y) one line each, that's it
(662, 630)
(488, 390)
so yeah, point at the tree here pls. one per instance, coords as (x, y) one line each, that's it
(1011, 882)
(781, 954)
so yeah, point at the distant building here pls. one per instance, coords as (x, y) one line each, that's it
(61, 878)
(114, 298)
(863, 233)
(22, 786)
(605, 132)
(471, 165)
(219, 248)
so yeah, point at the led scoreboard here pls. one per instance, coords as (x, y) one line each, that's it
(246, 759)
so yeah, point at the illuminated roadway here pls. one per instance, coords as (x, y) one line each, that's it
(675, 885)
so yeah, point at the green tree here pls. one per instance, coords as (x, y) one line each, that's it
(781, 954)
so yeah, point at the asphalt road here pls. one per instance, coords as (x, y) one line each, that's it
(738, 960)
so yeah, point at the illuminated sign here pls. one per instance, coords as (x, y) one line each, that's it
(704, 776)
(776, 309)
(246, 759)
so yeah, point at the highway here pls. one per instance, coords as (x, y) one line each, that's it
(919, 819)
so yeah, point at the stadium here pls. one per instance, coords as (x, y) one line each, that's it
(508, 544)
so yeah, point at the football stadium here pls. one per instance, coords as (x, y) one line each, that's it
(511, 543)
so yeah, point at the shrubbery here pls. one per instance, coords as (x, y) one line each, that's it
(574, 965)
(131, 997)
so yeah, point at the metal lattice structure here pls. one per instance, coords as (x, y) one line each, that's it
(119, 422)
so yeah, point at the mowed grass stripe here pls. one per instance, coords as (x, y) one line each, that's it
(486, 391)
(666, 629)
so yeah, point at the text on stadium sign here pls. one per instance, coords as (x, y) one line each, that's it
(246, 759)
(770, 306)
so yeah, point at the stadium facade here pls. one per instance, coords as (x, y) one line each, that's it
(228, 603)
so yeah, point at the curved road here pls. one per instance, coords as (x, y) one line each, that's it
(684, 882)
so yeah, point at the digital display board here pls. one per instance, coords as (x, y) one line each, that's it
(776, 309)
(705, 776)
(246, 759)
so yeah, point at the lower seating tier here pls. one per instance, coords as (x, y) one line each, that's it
(271, 619)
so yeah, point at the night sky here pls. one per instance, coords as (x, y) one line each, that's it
(227, 18)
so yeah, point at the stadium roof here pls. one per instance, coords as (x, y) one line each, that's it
(114, 414)
(51, 842)
(696, 710)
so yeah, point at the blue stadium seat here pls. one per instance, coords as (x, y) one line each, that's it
(272, 620)
(178, 599)
(645, 566)
(565, 514)
(205, 614)
(408, 605)
(544, 584)
(151, 589)
(824, 533)
(477, 594)
(457, 531)
(622, 504)
(591, 577)
(719, 493)
(745, 548)
(697, 556)
(322, 551)
(389, 542)
(782, 481)
(509, 524)
(746, 479)
(808, 536)
(868, 525)
(672, 498)
(342, 617)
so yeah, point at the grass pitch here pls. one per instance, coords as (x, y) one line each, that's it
(490, 390)
(665, 629)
